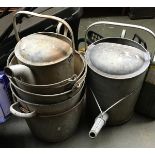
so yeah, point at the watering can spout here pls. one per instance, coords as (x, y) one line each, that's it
(20, 71)
(100, 121)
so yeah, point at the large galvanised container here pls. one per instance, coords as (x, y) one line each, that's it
(116, 71)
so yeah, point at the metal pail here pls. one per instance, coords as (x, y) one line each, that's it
(53, 128)
(116, 70)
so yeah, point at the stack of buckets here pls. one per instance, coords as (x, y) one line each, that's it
(52, 111)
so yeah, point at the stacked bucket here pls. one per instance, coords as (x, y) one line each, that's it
(47, 79)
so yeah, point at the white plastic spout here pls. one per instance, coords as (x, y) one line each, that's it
(100, 121)
(20, 71)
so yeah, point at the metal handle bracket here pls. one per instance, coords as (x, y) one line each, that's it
(20, 114)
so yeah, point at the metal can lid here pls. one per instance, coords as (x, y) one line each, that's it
(116, 59)
(39, 49)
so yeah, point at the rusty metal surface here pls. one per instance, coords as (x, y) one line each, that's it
(38, 49)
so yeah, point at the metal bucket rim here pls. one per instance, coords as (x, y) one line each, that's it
(65, 112)
(58, 84)
(42, 95)
(143, 68)
(42, 105)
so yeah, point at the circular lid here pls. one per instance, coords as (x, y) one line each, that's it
(39, 49)
(116, 60)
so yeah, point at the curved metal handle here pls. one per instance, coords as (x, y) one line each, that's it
(79, 82)
(43, 16)
(59, 26)
(121, 25)
(9, 58)
(20, 114)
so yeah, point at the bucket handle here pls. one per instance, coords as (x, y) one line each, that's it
(9, 58)
(79, 82)
(20, 114)
(43, 16)
(121, 25)
(59, 26)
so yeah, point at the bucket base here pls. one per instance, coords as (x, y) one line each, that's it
(53, 140)
(59, 127)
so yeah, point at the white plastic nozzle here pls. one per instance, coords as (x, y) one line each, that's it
(100, 121)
